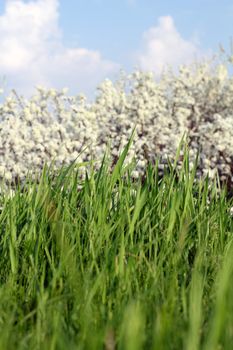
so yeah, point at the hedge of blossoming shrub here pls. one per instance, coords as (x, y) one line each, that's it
(53, 125)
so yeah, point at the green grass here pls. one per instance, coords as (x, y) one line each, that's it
(117, 264)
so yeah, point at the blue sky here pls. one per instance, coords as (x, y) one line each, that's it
(79, 43)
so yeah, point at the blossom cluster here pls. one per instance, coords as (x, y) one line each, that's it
(54, 125)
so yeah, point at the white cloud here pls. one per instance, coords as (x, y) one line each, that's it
(32, 52)
(164, 45)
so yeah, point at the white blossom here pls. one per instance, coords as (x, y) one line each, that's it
(161, 111)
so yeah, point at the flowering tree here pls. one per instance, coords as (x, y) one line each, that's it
(199, 101)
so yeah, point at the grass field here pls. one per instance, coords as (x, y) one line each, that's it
(117, 264)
